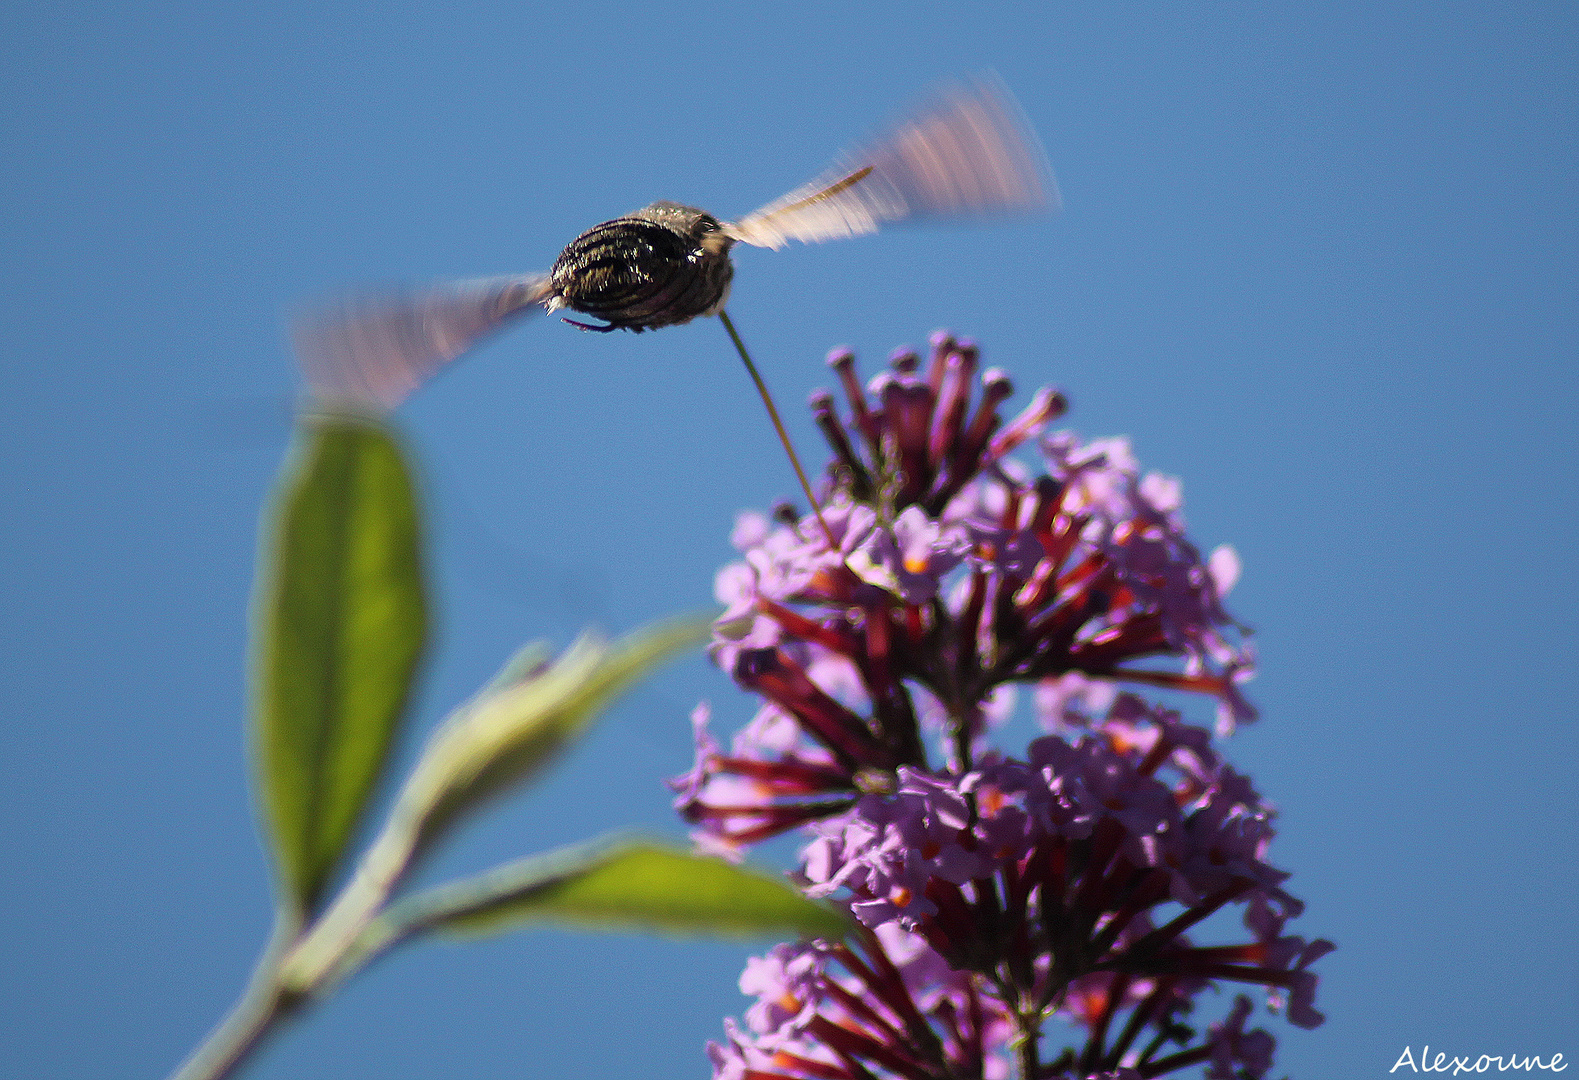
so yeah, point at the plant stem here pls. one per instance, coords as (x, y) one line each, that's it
(961, 733)
(300, 962)
(1030, 1031)
(261, 1010)
(778, 425)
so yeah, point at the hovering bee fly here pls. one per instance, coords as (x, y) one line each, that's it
(965, 152)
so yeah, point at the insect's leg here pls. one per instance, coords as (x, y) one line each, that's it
(589, 326)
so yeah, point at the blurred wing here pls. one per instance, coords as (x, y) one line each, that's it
(967, 151)
(377, 348)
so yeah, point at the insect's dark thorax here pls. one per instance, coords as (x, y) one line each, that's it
(637, 274)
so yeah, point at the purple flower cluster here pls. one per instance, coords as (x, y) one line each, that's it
(993, 894)
(887, 1005)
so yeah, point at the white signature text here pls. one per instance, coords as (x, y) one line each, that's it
(1484, 1063)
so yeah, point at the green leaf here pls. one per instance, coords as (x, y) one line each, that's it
(524, 720)
(517, 724)
(339, 623)
(623, 885)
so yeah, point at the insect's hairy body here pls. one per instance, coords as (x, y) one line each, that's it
(664, 265)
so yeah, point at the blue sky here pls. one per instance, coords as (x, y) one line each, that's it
(1316, 260)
